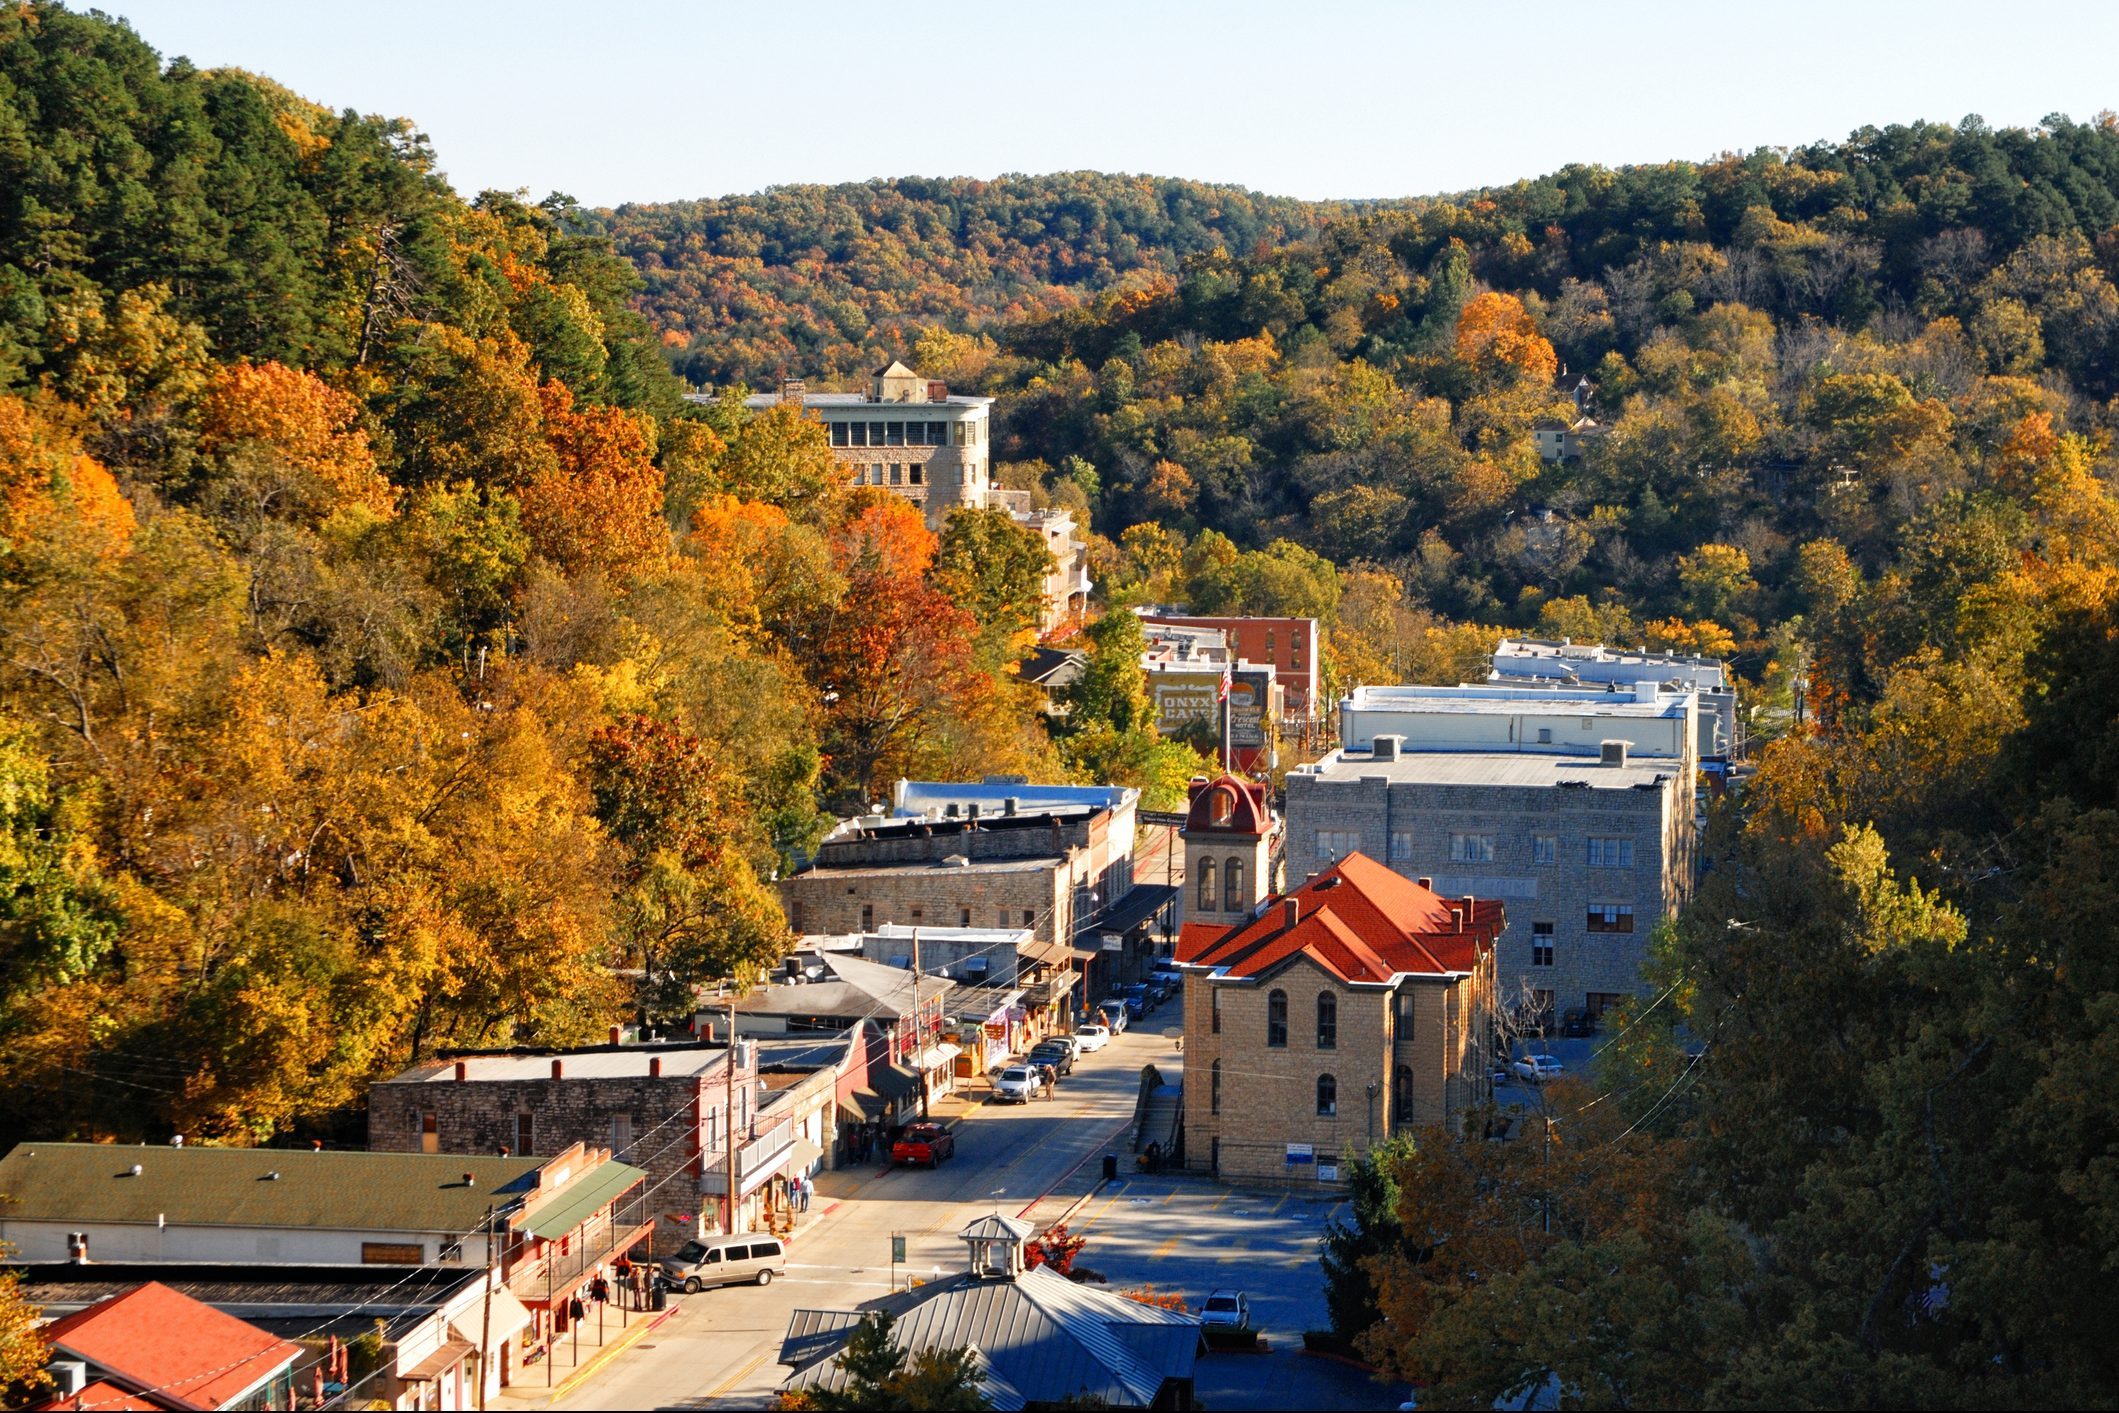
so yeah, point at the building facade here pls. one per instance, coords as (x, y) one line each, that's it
(1289, 646)
(1570, 666)
(1232, 842)
(1577, 809)
(1351, 1007)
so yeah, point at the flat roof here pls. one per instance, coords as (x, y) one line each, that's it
(628, 1062)
(1509, 768)
(862, 400)
(1029, 865)
(1513, 701)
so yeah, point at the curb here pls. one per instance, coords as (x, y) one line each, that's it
(610, 1351)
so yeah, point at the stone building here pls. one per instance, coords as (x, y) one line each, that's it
(1354, 1006)
(910, 435)
(1576, 807)
(1290, 646)
(1232, 844)
(663, 1108)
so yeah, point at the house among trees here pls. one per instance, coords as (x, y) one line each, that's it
(1353, 1007)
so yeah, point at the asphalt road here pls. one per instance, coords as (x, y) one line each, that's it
(720, 1350)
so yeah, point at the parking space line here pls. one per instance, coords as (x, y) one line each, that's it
(1106, 1207)
(1227, 1193)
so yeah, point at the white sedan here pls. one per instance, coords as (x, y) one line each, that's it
(1228, 1308)
(1018, 1084)
(1539, 1068)
(1091, 1038)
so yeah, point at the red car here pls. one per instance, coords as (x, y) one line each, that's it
(924, 1143)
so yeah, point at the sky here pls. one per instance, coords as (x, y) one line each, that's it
(649, 100)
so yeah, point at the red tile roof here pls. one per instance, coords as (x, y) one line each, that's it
(103, 1396)
(1358, 920)
(182, 1353)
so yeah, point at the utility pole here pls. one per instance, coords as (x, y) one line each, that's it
(728, 1125)
(485, 1321)
(919, 1026)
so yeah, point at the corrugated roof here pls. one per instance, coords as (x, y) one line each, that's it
(1040, 1337)
(234, 1187)
(566, 1209)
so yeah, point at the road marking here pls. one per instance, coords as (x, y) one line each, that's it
(1225, 1196)
(1106, 1207)
(733, 1379)
(1270, 1211)
(1165, 1249)
(1170, 1196)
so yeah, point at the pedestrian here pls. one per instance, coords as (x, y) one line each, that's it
(600, 1290)
(802, 1193)
(575, 1310)
(640, 1284)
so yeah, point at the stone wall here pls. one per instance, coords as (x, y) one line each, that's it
(1424, 816)
(826, 900)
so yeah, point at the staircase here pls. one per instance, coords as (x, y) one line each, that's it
(1158, 1115)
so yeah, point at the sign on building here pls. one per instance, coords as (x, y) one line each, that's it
(1301, 1153)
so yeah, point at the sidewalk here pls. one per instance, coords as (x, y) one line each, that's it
(580, 1352)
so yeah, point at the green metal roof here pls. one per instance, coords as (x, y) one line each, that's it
(259, 1187)
(557, 1215)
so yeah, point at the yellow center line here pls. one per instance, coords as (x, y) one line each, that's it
(1106, 1207)
(733, 1379)
(1165, 1249)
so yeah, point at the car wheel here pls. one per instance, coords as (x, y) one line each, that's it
(765, 1278)
(691, 1285)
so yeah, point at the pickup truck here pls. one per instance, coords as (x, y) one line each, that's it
(924, 1143)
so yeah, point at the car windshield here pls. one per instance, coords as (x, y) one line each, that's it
(1221, 1302)
(691, 1251)
(1016, 1074)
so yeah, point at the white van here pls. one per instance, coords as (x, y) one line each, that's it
(751, 1259)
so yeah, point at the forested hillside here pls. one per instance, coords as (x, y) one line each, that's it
(829, 281)
(388, 657)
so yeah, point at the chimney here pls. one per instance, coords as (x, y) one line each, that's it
(791, 391)
(617, 1035)
(559, 1069)
(1427, 883)
(463, 1070)
(1612, 752)
(654, 1067)
(1456, 918)
(1471, 908)
(937, 391)
(1010, 805)
(971, 811)
(1290, 912)
(1388, 747)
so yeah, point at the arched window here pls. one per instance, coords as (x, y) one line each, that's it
(1277, 1020)
(1327, 1096)
(1206, 886)
(1402, 1094)
(1327, 1021)
(1214, 1090)
(1236, 900)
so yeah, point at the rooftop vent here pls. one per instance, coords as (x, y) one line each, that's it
(470, 1180)
(1388, 747)
(1611, 752)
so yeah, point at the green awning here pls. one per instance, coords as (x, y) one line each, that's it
(578, 1200)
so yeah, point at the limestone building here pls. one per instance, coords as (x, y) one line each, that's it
(1576, 807)
(1356, 1005)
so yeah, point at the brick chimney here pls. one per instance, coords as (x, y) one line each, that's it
(559, 1069)
(463, 1070)
(1290, 911)
(654, 1067)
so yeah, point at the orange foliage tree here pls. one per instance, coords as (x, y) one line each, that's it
(1496, 339)
(313, 428)
(600, 508)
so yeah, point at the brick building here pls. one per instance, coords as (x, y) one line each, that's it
(1352, 1007)
(662, 1108)
(1290, 646)
(1233, 845)
(1576, 807)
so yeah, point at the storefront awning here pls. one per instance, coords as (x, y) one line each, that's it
(1141, 903)
(936, 1056)
(510, 1317)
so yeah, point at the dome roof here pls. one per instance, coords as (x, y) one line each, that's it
(1229, 805)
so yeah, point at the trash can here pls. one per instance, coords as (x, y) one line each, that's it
(1110, 1167)
(658, 1297)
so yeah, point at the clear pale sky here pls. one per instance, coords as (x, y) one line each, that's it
(648, 100)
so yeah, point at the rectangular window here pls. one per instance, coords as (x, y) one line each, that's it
(1215, 992)
(860, 434)
(1611, 917)
(1541, 944)
(963, 917)
(893, 434)
(938, 434)
(1401, 843)
(1338, 843)
(919, 915)
(917, 473)
(525, 1135)
(897, 473)
(429, 1132)
(621, 1132)
(393, 1253)
(1545, 849)
(868, 917)
(960, 433)
(1471, 848)
(1610, 853)
(1269, 645)
(1544, 735)
(839, 434)
(1407, 1006)
(1598, 1002)
(1000, 917)
(1029, 918)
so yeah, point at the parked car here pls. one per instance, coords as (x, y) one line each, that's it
(1091, 1038)
(1072, 1042)
(924, 1143)
(1539, 1068)
(1136, 998)
(1017, 1084)
(1056, 1053)
(1501, 1075)
(750, 1259)
(1228, 1308)
(1114, 1013)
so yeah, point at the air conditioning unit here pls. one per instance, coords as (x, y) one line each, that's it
(69, 1377)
